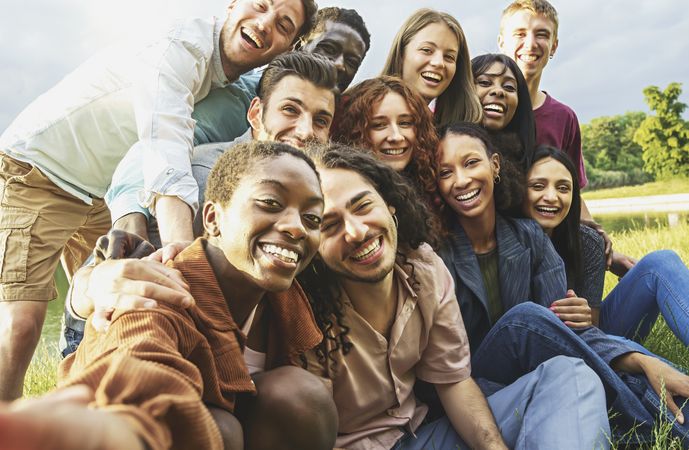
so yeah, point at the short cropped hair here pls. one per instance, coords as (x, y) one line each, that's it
(234, 165)
(542, 7)
(345, 16)
(307, 66)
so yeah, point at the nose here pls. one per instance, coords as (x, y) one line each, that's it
(395, 134)
(304, 127)
(497, 90)
(264, 20)
(355, 230)
(291, 224)
(339, 62)
(529, 40)
(462, 179)
(437, 59)
(550, 194)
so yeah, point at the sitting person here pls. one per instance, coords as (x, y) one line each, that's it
(511, 283)
(659, 282)
(161, 378)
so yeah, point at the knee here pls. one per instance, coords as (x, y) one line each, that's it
(229, 427)
(529, 312)
(659, 259)
(20, 328)
(575, 376)
(299, 404)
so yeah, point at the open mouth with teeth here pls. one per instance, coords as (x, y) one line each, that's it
(548, 210)
(432, 77)
(252, 38)
(494, 108)
(393, 151)
(528, 58)
(369, 251)
(468, 196)
(281, 253)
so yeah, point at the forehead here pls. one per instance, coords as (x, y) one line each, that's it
(341, 185)
(454, 147)
(291, 8)
(497, 69)
(439, 34)
(311, 96)
(551, 169)
(293, 173)
(525, 19)
(343, 34)
(392, 103)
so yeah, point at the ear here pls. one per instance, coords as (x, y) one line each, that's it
(495, 163)
(501, 42)
(210, 219)
(255, 114)
(391, 209)
(231, 6)
(554, 47)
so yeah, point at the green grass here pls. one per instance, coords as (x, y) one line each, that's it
(672, 186)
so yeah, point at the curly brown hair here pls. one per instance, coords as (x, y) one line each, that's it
(353, 119)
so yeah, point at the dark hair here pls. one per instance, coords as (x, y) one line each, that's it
(522, 123)
(307, 66)
(351, 128)
(509, 192)
(345, 16)
(566, 236)
(310, 11)
(459, 101)
(233, 165)
(318, 281)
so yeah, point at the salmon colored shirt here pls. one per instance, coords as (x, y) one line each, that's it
(160, 367)
(373, 384)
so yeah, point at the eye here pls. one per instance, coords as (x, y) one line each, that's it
(426, 50)
(363, 207)
(536, 186)
(406, 124)
(352, 62)
(313, 221)
(444, 173)
(450, 58)
(260, 6)
(329, 226)
(519, 34)
(471, 162)
(327, 48)
(284, 29)
(509, 87)
(269, 203)
(322, 122)
(289, 109)
(483, 83)
(564, 188)
(378, 125)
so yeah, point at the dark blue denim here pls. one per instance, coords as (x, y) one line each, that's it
(72, 333)
(529, 334)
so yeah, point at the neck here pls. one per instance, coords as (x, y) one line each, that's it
(231, 70)
(537, 97)
(361, 293)
(240, 295)
(481, 231)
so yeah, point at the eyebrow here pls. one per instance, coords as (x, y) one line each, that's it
(282, 187)
(495, 75)
(561, 180)
(303, 105)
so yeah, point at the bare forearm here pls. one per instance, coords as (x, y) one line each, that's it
(585, 213)
(135, 223)
(174, 220)
(470, 415)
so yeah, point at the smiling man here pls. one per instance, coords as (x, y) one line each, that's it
(59, 155)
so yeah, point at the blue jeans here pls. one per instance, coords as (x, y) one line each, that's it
(529, 334)
(659, 282)
(561, 404)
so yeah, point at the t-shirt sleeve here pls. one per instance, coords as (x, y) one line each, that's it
(446, 358)
(574, 150)
(590, 286)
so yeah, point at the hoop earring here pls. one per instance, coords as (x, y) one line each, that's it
(394, 219)
(496, 180)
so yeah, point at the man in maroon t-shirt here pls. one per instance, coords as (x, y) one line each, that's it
(528, 34)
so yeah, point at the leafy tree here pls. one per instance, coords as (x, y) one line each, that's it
(664, 137)
(608, 142)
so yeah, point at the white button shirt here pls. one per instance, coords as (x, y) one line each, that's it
(122, 98)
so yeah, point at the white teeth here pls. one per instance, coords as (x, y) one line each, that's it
(432, 75)
(251, 35)
(469, 195)
(393, 151)
(282, 253)
(528, 58)
(494, 107)
(366, 251)
(547, 209)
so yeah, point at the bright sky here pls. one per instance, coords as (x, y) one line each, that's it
(609, 49)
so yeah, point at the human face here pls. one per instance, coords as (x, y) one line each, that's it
(256, 31)
(466, 174)
(359, 237)
(530, 40)
(392, 131)
(342, 45)
(296, 112)
(497, 91)
(430, 60)
(549, 193)
(270, 229)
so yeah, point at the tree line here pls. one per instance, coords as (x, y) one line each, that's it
(635, 147)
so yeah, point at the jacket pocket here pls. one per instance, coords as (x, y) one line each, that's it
(15, 237)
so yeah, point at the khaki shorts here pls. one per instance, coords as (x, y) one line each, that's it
(39, 224)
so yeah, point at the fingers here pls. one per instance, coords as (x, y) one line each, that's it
(584, 324)
(674, 409)
(570, 301)
(100, 320)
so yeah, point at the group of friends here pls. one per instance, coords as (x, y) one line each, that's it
(262, 256)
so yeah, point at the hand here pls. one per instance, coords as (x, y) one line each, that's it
(135, 222)
(676, 383)
(118, 244)
(168, 252)
(608, 243)
(621, 264)
(131, 284)
(572, 310)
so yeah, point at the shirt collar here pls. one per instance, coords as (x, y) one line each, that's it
(219, 76)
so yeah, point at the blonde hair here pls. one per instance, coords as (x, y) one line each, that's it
(459, 102)
(542, 7)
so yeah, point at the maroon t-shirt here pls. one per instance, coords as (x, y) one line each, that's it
(557, 125)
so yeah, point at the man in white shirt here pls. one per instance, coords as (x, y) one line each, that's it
(58, 156)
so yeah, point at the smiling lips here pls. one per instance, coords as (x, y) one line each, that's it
(252, 38)
(549, 211)
(528, 57)
(495, 108)
(368, 251)
(393, 151)
(281, 253)
(432, 76)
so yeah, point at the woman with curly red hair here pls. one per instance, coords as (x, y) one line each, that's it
(383, 115)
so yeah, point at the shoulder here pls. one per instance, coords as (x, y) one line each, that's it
(553, 106)
(526, 230)
(591, 241)
(426, 270)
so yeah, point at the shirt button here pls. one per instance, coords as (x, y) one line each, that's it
(169, 171)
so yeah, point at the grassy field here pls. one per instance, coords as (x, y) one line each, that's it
(673, 186)
(41, 375)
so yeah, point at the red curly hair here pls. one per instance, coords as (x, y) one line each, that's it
(354, 115)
